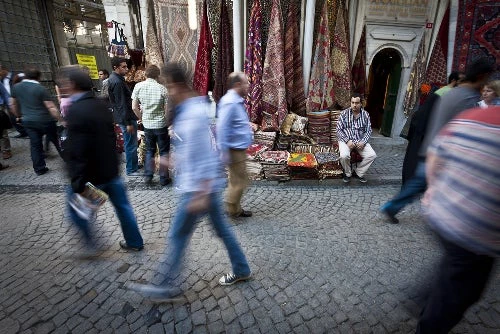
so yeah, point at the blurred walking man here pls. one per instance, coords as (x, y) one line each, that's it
(199, 183)
(91, 156)
(462, 206)
(234, 135)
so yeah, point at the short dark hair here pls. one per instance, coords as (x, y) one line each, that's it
(32, 72)
(454, 76)
(116, 61)
(174, 73)
(478, 69)
(234, 78)
(104, 71)
(356, 95)
(152, 71)
(77, 76)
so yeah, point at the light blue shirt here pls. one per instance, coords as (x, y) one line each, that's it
(195, 160)
(233, 126)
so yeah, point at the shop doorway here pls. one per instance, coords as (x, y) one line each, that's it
(383, 85)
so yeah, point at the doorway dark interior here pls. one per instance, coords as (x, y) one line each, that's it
(383, 83)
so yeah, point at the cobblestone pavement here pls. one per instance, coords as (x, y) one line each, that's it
(322, 261)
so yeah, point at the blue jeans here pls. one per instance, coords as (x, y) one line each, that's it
(182, 229)
(118, 197)
(36, 132)
(154, 137)
(130, 146)
(412, 189)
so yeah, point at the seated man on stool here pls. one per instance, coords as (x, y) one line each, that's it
(353, 131)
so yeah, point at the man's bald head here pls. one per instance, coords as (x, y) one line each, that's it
(239, 82)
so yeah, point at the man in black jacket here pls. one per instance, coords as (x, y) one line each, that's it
(121, 101)
(91, 157)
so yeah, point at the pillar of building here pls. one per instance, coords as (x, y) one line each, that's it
(308, 42)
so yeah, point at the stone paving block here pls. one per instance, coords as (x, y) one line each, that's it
(183, 326)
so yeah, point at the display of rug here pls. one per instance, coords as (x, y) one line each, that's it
(254, 151)
(265, 138)
(319, 126)
(283, 142)
(179, 43)
(274, 165)
(294, 77)
(417, 76)
(477, 33)
(224, 64)
(253, 64)
(437, 66)
(321, 93)
(334, 117)
(273, 77)
(359, 67)
(341, 58)
(328, 165)
(152, 50)
(202, 71)
(254, 170)
(302, 166)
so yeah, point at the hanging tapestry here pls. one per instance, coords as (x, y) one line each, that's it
(253, 64)
(202, 71)
(224, 64)
(273, 77)
(333, 10)
(321, 94)
(478, 28)
(437, 68)
(359, 67)
(341, 58)
(152, 50)
(294, 76)
(416, 79)
(179, 42)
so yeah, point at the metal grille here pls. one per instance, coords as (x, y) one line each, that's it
(25, 38)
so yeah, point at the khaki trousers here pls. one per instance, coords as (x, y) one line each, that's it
(367, 153)
(238, 181)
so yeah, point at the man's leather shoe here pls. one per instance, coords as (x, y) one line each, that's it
(244, 213)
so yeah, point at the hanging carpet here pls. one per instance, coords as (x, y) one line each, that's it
(417, 75)
(152, 50)
(179, 43)
(294, 77)
(224, 65)
(273, 77)
(253, 64)
(341, 60)
(359, 67)
(202, 71)
(321, 94)
(478, 28)
(437, 68)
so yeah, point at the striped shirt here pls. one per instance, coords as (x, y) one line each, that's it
(152, 97)
(462, 202)
(358, 129)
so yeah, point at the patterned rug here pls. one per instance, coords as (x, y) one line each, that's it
(224, 65)
(417, 76)
(294, 76)
(341, 57)
(253, 64)
(179, 43)
(321, 94)
(477, 34)
(359, 67)
(202, 72)
(437, 68)
(273, 77)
